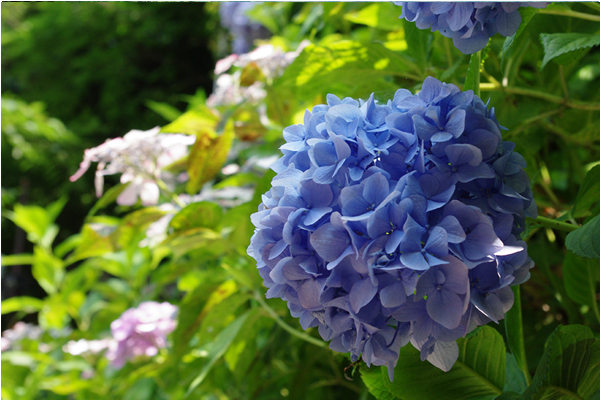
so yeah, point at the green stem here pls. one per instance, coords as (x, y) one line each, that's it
(552, 224)
(162, 186)
(582, 105)
(513, 322)
(571, 13)
(477, 83)
(286, 327)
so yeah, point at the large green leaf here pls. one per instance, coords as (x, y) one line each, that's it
(218, 348)
(585, 241)
(570, 366)
(345, 68)
(589, 192)
(556, 44)
(479, 372)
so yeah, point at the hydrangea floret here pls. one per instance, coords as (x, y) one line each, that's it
(140, 156)
(469, 24)
(141, 331)
(395, 223)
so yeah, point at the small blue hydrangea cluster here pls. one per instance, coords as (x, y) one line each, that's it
(469, 24)
(394, 223)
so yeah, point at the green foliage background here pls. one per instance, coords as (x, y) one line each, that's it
(105, 68)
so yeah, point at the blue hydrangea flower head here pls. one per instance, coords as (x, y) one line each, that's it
(470, 25)
(395, 223)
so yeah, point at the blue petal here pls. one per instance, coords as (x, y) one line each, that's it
(361, 294)
(445, 308)
(309, 292)
(329, 242)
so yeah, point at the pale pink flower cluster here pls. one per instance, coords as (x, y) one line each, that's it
(271, 61)
(21, 330)
(141, 331)
(140, 157)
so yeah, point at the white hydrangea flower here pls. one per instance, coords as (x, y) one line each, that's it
(140, 157)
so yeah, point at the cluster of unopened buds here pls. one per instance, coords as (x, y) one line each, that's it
(397, 222)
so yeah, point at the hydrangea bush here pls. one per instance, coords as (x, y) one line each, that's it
(469, 24)
(397, 222)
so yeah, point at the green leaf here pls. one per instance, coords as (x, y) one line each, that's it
(203, 214)
(133, 224)
(165, 110)
(22, 303)
(91, 244)
(377, 15)
(218, 348)
(372, 378)
(347, 68)
(513, 324)
(472, 78)
(241, 179)
(478, 373)
(32, 219)
(47, 269)
(556, 44)
(17, 259)
(515, 380)
(581, 276)
(418, 43)
(184, 241)
(526, 14)
(585, 241)
(207, 156)
(570, 366)
(589, 192)
(108, 198)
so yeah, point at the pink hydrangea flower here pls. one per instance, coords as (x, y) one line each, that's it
(141, 331)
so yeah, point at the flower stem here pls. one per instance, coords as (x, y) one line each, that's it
(571, 13)
(477, 82)
(162, 186)
(286, 327)
(513, 323)
(582, 105)
(552, 224)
